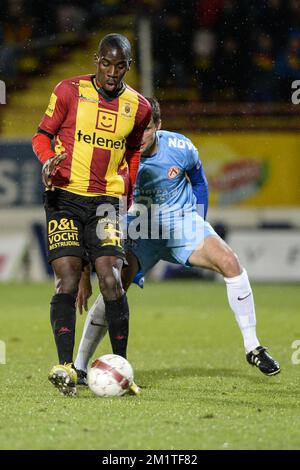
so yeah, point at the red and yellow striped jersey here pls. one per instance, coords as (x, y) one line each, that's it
(95, 132)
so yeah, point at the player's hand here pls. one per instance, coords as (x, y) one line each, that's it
(49, 169)
(84, 292)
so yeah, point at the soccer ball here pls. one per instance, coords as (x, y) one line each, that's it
(110, 376)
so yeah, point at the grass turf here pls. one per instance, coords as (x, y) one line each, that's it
(198, 390)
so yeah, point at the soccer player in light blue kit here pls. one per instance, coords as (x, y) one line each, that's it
(171, 178)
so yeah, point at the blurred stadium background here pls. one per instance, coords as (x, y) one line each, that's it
(223, 71)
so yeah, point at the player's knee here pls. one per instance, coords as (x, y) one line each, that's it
(229, 264)
(66, 286)
(110, 286)
(67, 272)
(67, 282)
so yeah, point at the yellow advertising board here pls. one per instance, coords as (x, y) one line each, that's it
(251, 169)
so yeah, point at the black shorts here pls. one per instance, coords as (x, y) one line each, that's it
(82, 225)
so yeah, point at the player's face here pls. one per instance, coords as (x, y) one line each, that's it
(149, 138)
(112, 65)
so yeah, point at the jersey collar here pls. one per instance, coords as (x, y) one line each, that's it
(105, 94)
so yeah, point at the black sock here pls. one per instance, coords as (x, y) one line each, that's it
(63, 319)
(117, 315)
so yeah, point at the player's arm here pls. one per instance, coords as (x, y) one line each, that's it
(41, 144)
(48, 128)
(133, 160)
(199, 184)
(133, 144)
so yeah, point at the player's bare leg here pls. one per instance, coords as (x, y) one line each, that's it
(216, 255)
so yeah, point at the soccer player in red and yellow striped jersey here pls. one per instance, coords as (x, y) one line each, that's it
(98, 123)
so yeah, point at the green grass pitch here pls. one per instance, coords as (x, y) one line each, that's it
(187, 353)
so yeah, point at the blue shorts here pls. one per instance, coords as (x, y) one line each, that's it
(175, 250)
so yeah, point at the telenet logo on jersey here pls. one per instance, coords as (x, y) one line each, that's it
(100, 142)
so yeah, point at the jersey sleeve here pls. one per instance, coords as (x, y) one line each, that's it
(192, 157)
(133, 161)
(196, 175)
(199, 184)
(133, 143)
(142, 118)
(41, 145)
(57, 109)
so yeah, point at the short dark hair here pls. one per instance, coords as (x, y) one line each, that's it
(155, 109)
(117, 41)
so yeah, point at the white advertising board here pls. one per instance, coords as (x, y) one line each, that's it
(268, 254)
(12, 249)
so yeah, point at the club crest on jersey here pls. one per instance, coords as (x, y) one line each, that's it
(106, 120)
(173, 172)
(126, 110)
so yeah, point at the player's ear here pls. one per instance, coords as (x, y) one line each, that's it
(159, 125)
(129, 62)
(96, 58)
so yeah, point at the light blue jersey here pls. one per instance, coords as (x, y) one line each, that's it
(172, 188)
(162, 177)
